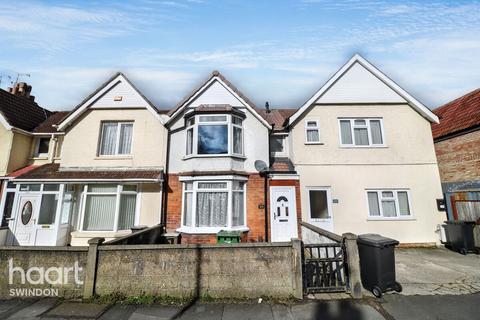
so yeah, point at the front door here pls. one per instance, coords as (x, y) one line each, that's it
(283, 214)
(26, 215)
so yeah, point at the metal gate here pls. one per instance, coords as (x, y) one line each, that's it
(324, 268)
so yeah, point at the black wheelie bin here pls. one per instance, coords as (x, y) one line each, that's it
(460, 236)
(377, 263)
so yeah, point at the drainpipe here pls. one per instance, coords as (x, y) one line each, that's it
(265, 185)
(163, 218)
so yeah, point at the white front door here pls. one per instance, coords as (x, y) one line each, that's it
(320, 207)
(25, 219)
(283, 214)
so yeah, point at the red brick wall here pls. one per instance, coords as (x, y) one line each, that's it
(296, 183)
(255, 216)
(459, 158)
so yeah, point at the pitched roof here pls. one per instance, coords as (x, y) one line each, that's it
(52, 171)
(47, 126)
(276, 117)
(414, 103)
(460, 114)
(21, 112)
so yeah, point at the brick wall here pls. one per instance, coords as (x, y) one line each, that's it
(255, 215)
(459, 158)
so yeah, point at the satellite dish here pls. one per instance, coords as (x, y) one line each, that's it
(261, 166)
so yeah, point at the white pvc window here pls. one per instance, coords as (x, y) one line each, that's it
(312, 131)
(361, 132)
(212, 205)
(214, 135)
(116, 138)
(109, 207)
(389, 203)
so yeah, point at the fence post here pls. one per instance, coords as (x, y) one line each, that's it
(91, 271)
(353, 260)
(297, 268)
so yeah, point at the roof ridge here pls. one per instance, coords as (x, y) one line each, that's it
(473, 92)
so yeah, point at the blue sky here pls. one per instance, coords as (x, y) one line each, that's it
(277, 51)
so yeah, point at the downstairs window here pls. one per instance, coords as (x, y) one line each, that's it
(388, 204)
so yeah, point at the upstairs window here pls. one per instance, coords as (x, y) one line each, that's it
(42, 146)
(116, 138)
(278, 144)
(361, 132)
(214, 135)
(312, 131)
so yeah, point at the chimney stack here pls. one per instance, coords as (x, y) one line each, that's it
(22, 89)
(267, 107)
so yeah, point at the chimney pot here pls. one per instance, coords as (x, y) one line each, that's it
(22, 89)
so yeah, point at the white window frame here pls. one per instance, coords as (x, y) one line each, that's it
(284, 153)
(228, 189)
(37, 153)
(117, 142)
(118, 193)
(397, 205)
(369, 132)
(316, 127)
(228, 122)
(328, 191)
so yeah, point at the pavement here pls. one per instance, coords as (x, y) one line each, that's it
(437, 271)
(391, 307)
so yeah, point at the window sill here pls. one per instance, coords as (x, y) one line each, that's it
(391, 219)
(39, 158)
(113, 157)
(364, 147)
(214, 156)
(314, 143)
(206, 230)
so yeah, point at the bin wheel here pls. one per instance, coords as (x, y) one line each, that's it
(377, 292)
(397, 287)
(463, 251)
(477, 250)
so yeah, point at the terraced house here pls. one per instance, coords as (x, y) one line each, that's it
(356, 157)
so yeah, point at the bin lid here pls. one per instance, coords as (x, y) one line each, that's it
(225, 233)
(376, 240)
(459, 222)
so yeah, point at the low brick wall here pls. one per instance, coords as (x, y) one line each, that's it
(14, 260)
(243, 270)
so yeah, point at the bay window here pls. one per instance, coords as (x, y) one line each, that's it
(212, 205)
(388, 203)
(365, 132)
(214, 135)
(109, 207)
(116, 138)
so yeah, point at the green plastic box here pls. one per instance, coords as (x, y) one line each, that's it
(228, 237)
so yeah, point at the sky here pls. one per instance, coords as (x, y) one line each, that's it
(276, 51)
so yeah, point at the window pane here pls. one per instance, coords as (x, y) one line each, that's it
(403, 203)
(238, 209)
(237, 121)
(388, 207)
(346, 132)
(318, 204)
(129, 188)
(190, 141)
(376, 131)
(11, 185)
(188, 185)
(313, 136)
(126, 218)
(67, 206)
(212, 185)
(276, 143)
(99, 213)
(212, 209)
(212, 118)
(48, 209)
(361, 136)
(109, 139)
(7, 210)
(360, 122)
(238, 185)
(311, 124)
(51, 187)
(387, 194)
(373, 206)
(43, 144)
(102, 188)
(212, 139)
(187, 210)
(126, 131)
(29, 187)
(237, 140)
(191, 121)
